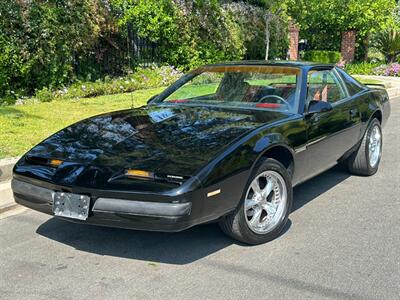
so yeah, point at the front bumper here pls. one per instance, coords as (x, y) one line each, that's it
(132, 214)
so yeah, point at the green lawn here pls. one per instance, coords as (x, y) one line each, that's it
(23, 126)
(193, 90)
(367, 80)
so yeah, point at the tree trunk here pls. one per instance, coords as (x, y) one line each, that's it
(366, 46)
(267, 35)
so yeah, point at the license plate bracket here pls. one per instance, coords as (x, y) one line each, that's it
(70, 205)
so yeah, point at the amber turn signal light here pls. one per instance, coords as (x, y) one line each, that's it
(139, 174)
(55, 162)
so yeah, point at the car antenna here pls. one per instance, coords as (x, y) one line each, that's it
(132, 101)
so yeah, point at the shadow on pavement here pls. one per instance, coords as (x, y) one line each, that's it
(171, 248)
(311, 189)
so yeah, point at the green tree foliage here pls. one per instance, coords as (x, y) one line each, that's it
(42, 41)
(188, 33)
(388, 42)
(38, 40)
(322, 22)
(269, 26)
(153, 19)
(251, 17)
(324, 56)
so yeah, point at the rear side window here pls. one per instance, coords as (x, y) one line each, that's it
(353, 86)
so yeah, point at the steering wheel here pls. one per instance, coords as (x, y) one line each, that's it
(262, 100)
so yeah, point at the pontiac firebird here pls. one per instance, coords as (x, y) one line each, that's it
(226, 143)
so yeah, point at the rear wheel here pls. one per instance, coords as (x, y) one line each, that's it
(264, 210)
(365, 161)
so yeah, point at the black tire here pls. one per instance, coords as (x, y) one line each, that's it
(235, 224)
(359, 162)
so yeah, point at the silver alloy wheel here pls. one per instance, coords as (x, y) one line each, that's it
(375, 146)
(265, 202)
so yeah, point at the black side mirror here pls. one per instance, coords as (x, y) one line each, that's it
(318, 107)
(152, 98)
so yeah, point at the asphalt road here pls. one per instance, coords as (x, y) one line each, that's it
(342, 241)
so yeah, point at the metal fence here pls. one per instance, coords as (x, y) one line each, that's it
(142, 51)
(115, 55)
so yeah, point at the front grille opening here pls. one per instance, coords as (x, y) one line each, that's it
(36, 160)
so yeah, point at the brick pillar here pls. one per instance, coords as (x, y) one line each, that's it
(348, 46)
(294, 42)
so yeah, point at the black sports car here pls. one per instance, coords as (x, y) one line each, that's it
(226, 142)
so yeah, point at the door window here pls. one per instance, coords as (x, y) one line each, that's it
(323, 85)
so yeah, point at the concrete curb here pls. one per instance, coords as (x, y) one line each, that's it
(392, 83)
(6, 166)
(393, 92)
(6, 197)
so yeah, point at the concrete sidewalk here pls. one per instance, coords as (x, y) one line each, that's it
(389, 81)
(392, 84)
(6, 166)
(6, 197)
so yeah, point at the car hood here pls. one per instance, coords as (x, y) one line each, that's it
(169, 139)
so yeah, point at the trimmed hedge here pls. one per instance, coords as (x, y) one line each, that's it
(328, 57)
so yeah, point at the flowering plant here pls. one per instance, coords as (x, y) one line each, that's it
(142, 78)
(389, 70)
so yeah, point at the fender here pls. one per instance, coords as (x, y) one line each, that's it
(260, 156)
(373, 110)
(281, 143)
(232, 173)
(373, 114)
(376, 104)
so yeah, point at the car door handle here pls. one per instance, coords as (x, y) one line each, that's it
(353, 113)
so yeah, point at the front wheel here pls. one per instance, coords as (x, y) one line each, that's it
(263, 212)
(365, 161)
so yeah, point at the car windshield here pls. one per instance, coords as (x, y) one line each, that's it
(257, 87)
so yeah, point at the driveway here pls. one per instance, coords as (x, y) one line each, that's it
(342, 241)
